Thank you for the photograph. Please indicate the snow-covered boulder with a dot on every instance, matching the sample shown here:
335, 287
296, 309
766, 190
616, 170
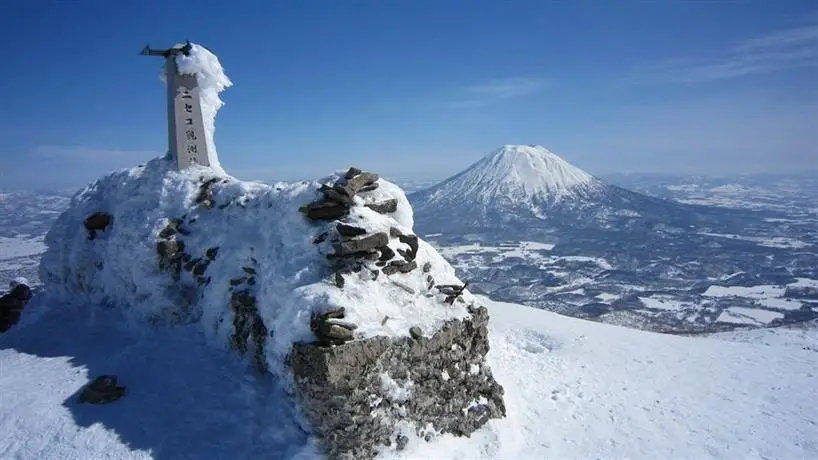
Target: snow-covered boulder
323, 284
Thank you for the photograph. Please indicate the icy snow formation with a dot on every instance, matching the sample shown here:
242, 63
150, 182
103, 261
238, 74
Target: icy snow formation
212, 81
255, 227
519, 172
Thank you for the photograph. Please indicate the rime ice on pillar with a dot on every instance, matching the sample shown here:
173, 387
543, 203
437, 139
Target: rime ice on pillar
187, 140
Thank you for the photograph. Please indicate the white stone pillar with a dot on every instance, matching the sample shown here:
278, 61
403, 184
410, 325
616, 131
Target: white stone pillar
186, 135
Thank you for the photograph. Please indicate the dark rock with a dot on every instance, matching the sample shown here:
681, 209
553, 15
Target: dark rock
324, 211
12, 305
354, 184
102, 390
167, 232
401, 441
251, 281
200, 268
427, 267
412, 242
349, 231
368, 188
205, 195
249, 270
336, 332
384, 207
249, 331
211, 253
340, 389
98, 221
416, 332
339, 280
329, 329
332, 195
399, 266
237, 281
352, 172
394, 232
359, 245
386, 253
320, 238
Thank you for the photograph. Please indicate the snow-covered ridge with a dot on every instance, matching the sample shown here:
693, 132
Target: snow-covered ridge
517, 173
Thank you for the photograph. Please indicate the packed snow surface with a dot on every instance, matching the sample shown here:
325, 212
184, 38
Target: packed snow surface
574, 389
521, 173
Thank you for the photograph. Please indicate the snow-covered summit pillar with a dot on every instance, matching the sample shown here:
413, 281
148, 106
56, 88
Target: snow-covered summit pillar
194, 79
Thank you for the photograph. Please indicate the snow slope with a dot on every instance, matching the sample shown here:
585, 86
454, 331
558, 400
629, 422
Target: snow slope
574, 389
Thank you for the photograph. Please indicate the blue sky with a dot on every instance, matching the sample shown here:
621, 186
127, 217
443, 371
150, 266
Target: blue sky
417, 89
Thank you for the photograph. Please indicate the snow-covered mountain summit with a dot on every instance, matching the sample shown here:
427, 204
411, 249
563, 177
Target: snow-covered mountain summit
531, 186
517, 174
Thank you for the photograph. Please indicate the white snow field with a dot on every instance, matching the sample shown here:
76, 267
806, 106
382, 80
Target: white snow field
574, 390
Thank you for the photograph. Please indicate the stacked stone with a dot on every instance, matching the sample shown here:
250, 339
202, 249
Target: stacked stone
339, 380
449, 387
339, 198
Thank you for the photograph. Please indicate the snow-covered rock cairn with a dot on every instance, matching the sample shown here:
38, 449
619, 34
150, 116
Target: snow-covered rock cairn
357, 394
320, 283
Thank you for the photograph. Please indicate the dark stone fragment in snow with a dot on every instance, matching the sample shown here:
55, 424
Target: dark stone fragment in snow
416, 332
320, 238
353, 185
384, 207
339, 280
200, 268
167, 232
249, 270
427, 267
386, 253
412, 241
394, 232
102, 390
332, 195
12, 305
349, 230
364, 244
211, 253
205, 195
97, 221
325, 211
369, 188
399, 266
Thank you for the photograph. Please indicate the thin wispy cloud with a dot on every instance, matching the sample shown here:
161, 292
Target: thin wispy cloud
93, 154
775, 51
497, 91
